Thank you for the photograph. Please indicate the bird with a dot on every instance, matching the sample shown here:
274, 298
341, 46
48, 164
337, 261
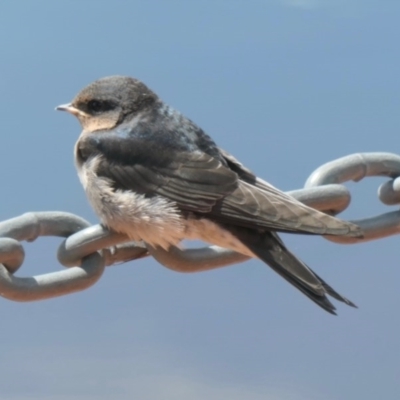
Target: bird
152, 174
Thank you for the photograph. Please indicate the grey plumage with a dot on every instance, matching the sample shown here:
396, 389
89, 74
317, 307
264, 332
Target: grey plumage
153, 174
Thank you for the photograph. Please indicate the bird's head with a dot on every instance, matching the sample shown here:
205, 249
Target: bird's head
107, 102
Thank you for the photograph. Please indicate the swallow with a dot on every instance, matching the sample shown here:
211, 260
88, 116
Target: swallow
151, 173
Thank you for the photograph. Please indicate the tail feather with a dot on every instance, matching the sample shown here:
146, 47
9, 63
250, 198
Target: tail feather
332, 292
270, 249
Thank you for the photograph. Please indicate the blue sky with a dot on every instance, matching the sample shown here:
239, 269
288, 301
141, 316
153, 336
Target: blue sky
283, 85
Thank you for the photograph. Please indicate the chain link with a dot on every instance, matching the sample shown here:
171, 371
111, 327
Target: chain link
87, 249
356, 167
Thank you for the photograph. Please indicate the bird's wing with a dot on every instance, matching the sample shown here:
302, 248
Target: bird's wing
201, 183
270, 208
195, 182
289, 214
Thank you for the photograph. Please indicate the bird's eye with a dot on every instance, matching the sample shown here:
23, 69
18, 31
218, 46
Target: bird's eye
95, 106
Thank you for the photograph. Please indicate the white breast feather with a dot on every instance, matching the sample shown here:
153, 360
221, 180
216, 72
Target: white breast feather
155, 220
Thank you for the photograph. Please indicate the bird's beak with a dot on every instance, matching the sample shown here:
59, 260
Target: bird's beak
69, 108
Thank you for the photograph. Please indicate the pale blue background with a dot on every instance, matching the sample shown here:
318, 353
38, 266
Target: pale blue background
285, 86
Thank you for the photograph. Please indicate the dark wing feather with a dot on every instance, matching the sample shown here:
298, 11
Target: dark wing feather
193, 188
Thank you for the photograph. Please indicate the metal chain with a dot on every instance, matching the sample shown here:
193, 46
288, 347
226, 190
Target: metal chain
87, 249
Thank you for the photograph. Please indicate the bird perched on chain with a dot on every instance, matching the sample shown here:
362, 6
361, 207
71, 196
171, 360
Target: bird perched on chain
151, 173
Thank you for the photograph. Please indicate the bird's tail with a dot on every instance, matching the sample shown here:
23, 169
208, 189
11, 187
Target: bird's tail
269, 248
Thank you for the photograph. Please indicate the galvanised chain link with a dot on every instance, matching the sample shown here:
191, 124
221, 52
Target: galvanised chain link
87, 249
